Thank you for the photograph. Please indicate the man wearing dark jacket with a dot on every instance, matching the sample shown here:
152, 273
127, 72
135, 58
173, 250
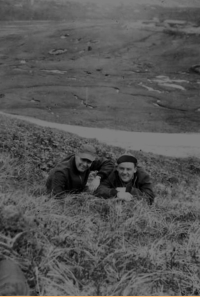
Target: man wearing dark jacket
127, 182
71, 175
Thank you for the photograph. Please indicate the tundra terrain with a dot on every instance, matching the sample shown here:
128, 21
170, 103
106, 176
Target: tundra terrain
117, 64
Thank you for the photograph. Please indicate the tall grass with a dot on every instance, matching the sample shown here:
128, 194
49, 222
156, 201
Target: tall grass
85, 245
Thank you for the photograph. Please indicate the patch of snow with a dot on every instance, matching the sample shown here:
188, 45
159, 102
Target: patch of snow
172, 86
55, 71
148, 88
165, 81
175, 22
57, 51
64, 36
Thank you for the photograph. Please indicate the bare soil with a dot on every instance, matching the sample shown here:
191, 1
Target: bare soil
120, 65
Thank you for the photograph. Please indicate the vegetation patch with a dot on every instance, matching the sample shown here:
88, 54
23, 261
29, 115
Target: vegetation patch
86, 245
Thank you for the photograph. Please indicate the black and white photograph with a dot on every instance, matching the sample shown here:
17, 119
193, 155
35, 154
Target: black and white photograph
99, 147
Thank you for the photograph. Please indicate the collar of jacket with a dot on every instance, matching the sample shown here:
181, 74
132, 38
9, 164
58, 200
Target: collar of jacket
73, 165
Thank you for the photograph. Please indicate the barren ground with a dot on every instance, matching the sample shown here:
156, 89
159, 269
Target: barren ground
120, 65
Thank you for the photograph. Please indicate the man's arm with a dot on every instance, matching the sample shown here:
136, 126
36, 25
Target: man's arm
57, 184
103, 166
144, 190
106, 190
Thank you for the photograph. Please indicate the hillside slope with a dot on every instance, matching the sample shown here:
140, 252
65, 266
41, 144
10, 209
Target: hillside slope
90, 246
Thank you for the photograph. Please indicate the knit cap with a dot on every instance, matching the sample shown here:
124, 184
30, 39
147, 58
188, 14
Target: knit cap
127, 157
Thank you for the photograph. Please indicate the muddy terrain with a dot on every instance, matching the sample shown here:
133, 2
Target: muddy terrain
123, 65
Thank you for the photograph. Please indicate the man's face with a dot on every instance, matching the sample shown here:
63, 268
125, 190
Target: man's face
126, 171
82, 164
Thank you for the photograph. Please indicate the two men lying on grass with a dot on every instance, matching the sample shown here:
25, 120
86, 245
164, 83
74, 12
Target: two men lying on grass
127, 181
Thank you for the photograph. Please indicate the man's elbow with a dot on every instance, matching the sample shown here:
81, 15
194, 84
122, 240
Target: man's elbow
56, 193
150, 196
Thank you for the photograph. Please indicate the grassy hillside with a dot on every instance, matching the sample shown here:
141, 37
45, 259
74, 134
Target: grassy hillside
89, 246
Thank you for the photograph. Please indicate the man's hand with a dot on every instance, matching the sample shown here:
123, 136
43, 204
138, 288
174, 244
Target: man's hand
124, 196
94, 184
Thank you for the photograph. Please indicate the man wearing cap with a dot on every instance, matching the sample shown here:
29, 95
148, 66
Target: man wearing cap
71, 175
127, 182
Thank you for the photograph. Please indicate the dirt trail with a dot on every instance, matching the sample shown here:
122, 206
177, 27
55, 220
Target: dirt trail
173, 145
